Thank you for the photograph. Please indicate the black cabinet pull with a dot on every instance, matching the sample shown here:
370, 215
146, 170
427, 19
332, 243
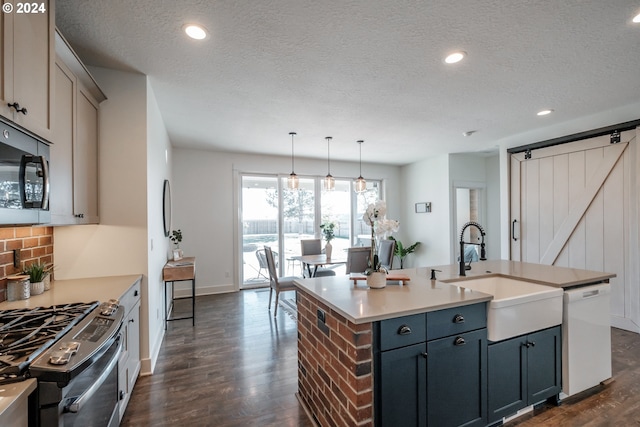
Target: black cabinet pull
513, 230
459, 341
404, 330
458, 318
533, 343
424, 355
17, 107
135, 293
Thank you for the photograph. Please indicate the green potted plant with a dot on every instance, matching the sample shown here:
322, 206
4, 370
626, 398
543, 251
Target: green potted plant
328, 232
176, 238
402, 252
36, 272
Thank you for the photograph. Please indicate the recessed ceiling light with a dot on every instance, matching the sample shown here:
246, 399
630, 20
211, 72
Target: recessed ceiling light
636, 19
455, 57
196, 32
544, 112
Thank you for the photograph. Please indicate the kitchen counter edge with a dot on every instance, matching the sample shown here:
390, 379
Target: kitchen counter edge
78, 290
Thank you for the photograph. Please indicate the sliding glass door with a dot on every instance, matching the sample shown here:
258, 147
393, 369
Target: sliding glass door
275, 216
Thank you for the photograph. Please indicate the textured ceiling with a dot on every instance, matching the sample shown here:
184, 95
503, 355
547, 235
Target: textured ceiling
366, 69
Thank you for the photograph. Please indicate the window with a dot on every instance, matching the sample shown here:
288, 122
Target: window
273, 215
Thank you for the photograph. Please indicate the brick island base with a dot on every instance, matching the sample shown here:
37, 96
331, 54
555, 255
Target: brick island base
335, 364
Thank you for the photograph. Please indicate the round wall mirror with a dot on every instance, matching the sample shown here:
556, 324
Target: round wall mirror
166, 207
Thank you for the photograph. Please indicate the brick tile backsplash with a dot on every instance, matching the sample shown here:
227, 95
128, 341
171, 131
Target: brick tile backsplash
34, 243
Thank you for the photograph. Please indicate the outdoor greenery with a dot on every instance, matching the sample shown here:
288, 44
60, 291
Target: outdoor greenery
402, 252
298, 205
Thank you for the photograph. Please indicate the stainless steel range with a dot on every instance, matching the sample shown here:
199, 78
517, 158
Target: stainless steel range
73, 351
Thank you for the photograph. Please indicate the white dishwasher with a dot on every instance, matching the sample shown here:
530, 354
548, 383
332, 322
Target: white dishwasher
586, 337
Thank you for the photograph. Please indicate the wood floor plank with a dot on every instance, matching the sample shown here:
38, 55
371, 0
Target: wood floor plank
238, 367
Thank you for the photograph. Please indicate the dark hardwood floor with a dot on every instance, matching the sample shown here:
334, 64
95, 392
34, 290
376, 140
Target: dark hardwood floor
238, 367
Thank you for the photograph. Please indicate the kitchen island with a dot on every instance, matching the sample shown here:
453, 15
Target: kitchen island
344, 353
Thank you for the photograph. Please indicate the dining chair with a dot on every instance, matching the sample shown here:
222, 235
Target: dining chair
277, 283
385, 253
314, 247
262, 262
358, 259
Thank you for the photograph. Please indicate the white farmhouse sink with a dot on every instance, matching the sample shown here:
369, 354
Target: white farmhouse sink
518, 307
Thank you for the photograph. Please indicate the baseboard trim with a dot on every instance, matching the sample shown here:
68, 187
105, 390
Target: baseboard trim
624, 323
205, 290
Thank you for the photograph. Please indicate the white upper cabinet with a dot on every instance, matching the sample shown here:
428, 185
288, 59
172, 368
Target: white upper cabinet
74, 153
26, 84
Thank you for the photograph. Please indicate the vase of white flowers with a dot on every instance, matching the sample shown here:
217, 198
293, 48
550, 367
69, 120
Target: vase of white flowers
381, 228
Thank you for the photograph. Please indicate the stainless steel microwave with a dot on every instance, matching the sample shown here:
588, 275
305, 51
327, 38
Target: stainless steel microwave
24, 177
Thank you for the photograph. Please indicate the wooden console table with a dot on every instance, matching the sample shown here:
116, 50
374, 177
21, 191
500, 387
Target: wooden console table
177, 271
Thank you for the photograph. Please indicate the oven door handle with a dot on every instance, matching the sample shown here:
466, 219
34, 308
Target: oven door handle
87, 395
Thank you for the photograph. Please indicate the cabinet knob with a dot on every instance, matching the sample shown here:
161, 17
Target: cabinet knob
459, 341
424, 355
122, 394
131, 320
136, 293
458, 318
404, 330
17, 107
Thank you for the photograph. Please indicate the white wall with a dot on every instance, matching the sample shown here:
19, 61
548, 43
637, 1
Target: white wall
132, 168
426, 181
159, 157
206, 208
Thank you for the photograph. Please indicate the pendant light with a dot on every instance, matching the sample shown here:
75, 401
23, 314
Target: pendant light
360, 184
292, 182
329, 181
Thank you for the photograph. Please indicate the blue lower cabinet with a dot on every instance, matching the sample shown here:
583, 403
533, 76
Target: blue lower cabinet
424, 378
523, 371
402, 386
457, 380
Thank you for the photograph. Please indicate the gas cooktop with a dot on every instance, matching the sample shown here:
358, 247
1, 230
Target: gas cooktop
27, 333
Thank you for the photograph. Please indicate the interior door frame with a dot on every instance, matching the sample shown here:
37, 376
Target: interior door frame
481, 186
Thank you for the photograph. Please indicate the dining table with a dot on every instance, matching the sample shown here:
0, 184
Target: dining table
312, 262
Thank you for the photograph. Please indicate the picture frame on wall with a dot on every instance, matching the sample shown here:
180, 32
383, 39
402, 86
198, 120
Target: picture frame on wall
423, 207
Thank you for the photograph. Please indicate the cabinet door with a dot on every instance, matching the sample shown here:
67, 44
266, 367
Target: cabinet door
402, 387
544, 364
60, 166
457, 380
129, 362
85, 159
507, 380
28, 69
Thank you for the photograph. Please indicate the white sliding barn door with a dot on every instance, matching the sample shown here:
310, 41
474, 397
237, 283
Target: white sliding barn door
576, 205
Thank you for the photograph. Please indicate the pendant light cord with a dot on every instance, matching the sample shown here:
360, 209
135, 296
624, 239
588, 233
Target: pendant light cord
328, 138
292, 135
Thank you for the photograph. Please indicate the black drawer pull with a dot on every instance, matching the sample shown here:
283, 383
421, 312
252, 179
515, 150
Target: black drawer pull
459, 341
404, 330
458, 318
425, 355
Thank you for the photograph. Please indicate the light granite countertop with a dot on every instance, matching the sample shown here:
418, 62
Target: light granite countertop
359, 304
77, 290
